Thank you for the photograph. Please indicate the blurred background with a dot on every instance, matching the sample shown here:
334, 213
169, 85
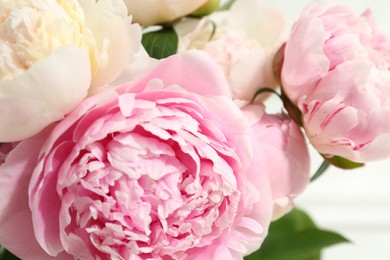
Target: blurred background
354, 203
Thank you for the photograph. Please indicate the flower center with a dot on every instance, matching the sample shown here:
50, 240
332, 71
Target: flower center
29, 33
161, 188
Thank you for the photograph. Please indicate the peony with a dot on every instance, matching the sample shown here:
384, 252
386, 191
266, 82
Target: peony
243, 43
285, 156
52, 52
151, 12
165, 167
336, 70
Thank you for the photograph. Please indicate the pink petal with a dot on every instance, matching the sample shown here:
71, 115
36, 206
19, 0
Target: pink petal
205, 77
304, 48
16, 228
45, 202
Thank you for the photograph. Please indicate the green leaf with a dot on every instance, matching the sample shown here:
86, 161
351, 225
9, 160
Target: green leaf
316, 256
6, 255
227, 5
161, 44
209, 7
343, 163
295, 237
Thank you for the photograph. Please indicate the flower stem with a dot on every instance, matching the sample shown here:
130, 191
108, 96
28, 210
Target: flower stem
265, 90
323, 167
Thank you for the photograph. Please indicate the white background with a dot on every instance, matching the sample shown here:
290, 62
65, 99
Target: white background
355, 203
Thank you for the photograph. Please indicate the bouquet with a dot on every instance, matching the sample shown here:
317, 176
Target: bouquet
139, 129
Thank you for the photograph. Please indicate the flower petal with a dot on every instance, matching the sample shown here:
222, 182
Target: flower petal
16, 229
205, 77
51, 88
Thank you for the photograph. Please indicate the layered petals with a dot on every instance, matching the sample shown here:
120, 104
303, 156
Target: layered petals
336, 71
53, 53
157, 168
16, 229
242, 40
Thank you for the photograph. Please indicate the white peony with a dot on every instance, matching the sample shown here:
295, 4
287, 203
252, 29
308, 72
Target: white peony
242, 41
151, 12
52, 53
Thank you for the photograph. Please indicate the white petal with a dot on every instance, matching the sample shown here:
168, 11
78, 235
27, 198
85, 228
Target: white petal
44, 93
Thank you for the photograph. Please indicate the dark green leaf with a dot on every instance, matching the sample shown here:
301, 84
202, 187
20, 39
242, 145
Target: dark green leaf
316, 256
160, 44
227, 5
301, 245
6, 255
258, 256
343, 163
295, 221
295, 237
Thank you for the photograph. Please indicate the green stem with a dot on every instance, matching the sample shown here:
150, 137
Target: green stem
227, 5
265, 90
323, 167
6, 255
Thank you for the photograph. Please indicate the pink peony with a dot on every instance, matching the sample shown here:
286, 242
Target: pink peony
285, 156
336, 70
167, 167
